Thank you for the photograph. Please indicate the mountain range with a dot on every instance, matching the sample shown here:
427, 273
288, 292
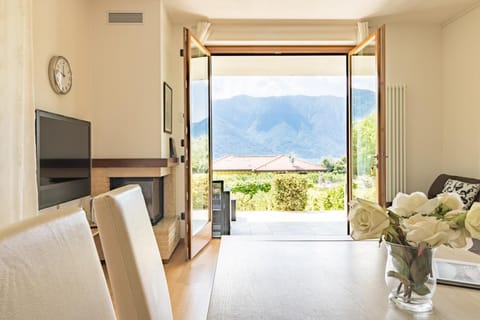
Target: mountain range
308, 127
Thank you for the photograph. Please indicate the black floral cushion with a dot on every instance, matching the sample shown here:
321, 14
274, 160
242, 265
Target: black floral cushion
467, 191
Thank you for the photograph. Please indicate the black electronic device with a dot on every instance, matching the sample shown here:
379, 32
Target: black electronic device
63, 158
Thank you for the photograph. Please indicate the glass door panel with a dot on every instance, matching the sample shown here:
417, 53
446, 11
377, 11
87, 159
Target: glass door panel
367, 120
198, 176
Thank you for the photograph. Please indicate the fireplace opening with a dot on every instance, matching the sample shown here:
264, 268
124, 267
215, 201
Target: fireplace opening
152, 189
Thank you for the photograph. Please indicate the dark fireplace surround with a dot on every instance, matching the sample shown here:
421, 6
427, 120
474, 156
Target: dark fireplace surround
152, 189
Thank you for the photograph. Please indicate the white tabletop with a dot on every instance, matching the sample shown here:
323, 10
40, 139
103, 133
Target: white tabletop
300, 279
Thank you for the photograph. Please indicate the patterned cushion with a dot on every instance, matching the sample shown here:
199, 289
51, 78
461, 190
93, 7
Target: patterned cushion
467, 191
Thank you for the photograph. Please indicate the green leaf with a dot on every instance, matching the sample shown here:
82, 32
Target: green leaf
400, 265
402, 278
420, 269
404, 253
421, 289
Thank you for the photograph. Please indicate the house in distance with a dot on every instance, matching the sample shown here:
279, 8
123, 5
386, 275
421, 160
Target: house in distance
257, 164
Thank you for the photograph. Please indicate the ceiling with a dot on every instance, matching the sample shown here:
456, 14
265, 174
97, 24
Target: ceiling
433, 11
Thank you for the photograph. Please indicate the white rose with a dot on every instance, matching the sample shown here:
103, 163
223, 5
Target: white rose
472, 221
456, 218
426, 229
457, 234
405, 205
368, 219
457, 238
451, 200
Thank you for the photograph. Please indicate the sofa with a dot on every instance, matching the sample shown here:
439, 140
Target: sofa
439, 182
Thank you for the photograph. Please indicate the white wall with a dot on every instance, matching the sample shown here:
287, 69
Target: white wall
172, 73
460, 96
127, 87
413, 58
176, 76
60, 27
118, 75
130, 65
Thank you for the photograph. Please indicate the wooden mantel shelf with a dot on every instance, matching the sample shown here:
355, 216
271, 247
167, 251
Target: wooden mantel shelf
135, 163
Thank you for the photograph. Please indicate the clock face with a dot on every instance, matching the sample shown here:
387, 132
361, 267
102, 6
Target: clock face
60, 75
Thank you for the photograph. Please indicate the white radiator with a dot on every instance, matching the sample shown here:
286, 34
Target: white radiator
396, 140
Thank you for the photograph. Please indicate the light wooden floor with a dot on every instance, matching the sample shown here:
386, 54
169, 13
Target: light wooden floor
190, 282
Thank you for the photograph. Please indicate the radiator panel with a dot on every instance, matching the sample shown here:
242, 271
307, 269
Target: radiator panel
396, 140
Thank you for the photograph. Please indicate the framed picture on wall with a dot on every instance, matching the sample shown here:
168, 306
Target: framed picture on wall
167, 108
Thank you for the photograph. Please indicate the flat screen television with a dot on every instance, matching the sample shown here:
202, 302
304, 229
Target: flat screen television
63, 158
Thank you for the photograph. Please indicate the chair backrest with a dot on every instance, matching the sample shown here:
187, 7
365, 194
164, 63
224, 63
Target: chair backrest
49, 269
134, 265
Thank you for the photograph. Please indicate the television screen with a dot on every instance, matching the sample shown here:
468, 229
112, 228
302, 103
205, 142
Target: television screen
63, 158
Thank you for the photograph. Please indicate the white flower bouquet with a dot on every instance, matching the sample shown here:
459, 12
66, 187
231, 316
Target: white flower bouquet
412, 227
414, 220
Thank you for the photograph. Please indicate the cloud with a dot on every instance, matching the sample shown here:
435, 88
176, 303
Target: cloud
225, 87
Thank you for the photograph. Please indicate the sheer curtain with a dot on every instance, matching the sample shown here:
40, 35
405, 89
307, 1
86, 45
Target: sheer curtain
18, 191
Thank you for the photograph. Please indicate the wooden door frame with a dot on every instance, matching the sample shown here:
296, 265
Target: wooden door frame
379, 35
278, 50
302, 50
205, 234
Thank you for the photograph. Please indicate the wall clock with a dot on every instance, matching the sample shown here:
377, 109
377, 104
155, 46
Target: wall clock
60, 74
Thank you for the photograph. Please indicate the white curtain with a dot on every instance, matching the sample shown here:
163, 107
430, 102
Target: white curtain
362, 31
18, 191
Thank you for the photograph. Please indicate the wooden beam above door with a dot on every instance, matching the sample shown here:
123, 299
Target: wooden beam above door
269, 50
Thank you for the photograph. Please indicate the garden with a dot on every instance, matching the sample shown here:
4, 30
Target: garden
288, 191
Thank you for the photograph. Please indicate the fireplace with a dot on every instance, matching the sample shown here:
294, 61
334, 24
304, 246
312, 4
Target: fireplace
152, 189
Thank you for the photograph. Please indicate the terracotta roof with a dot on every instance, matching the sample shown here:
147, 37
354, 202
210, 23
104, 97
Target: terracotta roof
279, 163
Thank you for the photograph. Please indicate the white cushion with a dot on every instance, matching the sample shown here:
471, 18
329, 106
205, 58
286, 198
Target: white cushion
133, 259
49, 269
467, 191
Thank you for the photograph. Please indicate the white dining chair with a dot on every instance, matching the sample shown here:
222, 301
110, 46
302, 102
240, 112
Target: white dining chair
49, 269
134, 264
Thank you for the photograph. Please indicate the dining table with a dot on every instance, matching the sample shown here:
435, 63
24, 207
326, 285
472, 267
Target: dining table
275, 278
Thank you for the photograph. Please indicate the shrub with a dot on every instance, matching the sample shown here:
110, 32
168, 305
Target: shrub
312, 179
290, 192
326, 198
259, 202
199, 191
251, 189
335, 199
316, 198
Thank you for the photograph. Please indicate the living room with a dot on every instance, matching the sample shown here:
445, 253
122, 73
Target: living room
119, 71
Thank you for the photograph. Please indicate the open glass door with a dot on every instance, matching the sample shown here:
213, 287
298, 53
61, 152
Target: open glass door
366, 119
198, 176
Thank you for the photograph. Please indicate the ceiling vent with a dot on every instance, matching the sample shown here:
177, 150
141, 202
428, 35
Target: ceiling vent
125, 17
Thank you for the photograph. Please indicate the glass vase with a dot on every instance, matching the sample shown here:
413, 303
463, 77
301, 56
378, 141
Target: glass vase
411, 276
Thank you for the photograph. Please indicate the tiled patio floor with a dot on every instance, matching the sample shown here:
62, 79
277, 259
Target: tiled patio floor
319, 223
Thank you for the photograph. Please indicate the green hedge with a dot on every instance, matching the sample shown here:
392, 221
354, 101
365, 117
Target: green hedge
199, 191
326, 198
290, 192
261, 201
251, 189
335, 199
